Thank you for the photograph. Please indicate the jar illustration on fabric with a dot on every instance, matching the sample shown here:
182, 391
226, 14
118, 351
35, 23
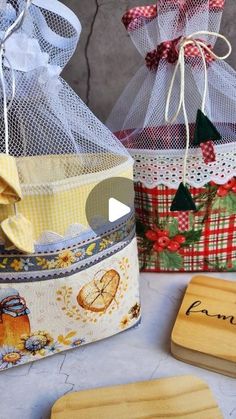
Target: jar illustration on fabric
14, 320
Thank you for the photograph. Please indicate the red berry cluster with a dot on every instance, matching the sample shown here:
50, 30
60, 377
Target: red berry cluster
162, 240
223, 190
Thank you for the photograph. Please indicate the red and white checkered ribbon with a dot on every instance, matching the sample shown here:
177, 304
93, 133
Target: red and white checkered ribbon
183, 221
169, 51
137, 16
208, 151
133, 17
216, 4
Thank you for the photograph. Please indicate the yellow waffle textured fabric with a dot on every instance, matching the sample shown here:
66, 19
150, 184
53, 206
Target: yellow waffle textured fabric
10, 190
56, 206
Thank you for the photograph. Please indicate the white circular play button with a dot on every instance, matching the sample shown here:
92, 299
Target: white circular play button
117, 210
109, 202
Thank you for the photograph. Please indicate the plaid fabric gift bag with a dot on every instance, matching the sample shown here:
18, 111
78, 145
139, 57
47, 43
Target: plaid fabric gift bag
62, 284
177, 119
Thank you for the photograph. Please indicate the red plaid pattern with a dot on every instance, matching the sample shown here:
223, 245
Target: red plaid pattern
208, 151
183, 220
169, 50
215, 249
137, 16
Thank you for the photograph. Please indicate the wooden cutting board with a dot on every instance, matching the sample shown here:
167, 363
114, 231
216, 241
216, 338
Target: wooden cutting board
182, 397
205, 330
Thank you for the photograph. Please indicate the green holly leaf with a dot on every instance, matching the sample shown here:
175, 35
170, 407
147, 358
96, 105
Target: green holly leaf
173, 228
160, 224
192, 237
171, 260
218, 205
231, 202
200, 207
227, 203
233, 269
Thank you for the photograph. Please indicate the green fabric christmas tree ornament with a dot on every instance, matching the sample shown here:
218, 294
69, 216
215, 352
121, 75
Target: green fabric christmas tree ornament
183, 200
204, 129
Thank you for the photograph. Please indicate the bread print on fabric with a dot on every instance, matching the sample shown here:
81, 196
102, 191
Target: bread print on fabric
98, 294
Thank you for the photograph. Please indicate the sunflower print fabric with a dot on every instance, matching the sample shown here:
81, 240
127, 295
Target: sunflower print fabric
42, 318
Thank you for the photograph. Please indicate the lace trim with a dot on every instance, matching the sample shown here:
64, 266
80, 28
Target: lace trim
153, 169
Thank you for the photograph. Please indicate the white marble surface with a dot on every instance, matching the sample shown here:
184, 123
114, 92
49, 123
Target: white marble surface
28, 392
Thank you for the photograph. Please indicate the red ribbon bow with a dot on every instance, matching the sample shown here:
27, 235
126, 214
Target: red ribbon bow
168, 50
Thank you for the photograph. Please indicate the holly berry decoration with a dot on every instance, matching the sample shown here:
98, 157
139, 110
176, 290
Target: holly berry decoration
223, 190
151, 235
204, 136
162, 241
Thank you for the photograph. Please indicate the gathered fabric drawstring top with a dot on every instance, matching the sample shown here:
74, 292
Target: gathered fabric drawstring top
203, 49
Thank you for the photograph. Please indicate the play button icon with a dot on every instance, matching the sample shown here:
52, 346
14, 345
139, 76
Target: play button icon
109, 202
117, 210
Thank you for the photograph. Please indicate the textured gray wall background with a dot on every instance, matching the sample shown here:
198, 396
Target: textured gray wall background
106, 59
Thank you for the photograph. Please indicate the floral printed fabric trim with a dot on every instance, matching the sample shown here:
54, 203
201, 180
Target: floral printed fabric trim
209, 244
66, 258
36, 345
40, 344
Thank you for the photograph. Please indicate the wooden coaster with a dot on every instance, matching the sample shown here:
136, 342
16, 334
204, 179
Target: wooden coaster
182, 397
205, 330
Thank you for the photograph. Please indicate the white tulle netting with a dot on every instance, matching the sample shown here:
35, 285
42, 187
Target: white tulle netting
58, 150
138, 118
47, 118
